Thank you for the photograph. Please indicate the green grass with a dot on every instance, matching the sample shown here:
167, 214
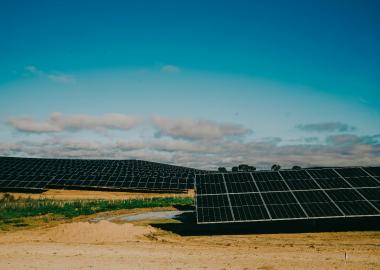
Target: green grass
14, 211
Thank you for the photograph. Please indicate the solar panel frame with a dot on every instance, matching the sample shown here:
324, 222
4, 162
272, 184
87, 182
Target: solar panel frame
372, 176
235, 185
294, 195
261, 195
355, 189
271, 186
251, 204
373, 171
335, 210
93, 174
316, 203
324, 191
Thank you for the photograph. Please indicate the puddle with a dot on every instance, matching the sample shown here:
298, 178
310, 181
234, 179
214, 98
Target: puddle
143, 216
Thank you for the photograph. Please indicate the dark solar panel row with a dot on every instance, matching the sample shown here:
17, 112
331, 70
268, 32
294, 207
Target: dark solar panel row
31, 173
286, 195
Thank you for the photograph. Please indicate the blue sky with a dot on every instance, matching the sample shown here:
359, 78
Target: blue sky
198, 83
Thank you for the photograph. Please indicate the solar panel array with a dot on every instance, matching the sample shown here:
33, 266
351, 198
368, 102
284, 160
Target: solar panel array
288, 195
39, 174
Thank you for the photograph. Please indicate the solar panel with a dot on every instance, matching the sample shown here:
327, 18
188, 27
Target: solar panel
269, 181
372, 195
288, 195
213, 208
357, 177
40, 174
211, 184
249, 206
317, 204
283, 205
242, 182
272, 186
327, 178
373, 171
352, 202
298, 180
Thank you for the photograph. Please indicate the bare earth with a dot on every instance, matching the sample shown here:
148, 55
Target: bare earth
106, 245
136, 245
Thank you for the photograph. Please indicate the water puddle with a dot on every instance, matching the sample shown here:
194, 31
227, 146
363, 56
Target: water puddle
143, 216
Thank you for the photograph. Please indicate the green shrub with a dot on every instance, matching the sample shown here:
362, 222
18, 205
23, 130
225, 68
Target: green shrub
11, 208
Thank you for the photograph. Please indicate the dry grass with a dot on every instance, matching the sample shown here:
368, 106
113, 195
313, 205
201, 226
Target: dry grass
17, 212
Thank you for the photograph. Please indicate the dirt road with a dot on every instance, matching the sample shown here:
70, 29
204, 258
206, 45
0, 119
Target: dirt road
106, 245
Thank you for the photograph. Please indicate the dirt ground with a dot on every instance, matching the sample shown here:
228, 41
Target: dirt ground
144, 245
106, 245
59, 194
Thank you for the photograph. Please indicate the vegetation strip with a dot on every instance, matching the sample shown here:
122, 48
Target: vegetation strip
13, 210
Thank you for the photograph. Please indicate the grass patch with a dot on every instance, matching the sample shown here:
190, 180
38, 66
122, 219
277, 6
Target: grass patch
14, 211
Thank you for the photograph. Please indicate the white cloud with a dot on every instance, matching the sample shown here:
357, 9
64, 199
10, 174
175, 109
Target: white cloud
202, 154
351, 139
75, 144
170, 69
57, 77
182, 128
31, 69
186, 142
107, 121
7, 147
62, 78
326, 127
59, 122
28, 124
181, 146
130, 145
190, 129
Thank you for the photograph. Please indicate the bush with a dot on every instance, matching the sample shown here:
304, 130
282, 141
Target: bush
17, 208
7, 198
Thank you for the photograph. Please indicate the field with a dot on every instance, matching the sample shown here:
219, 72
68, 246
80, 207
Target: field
64, 239
26, 212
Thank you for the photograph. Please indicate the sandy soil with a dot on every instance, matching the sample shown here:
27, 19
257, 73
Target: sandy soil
105, 245
59, 194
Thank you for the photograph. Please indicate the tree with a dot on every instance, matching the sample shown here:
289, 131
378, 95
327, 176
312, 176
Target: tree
275, 167
243, 167
222, 169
